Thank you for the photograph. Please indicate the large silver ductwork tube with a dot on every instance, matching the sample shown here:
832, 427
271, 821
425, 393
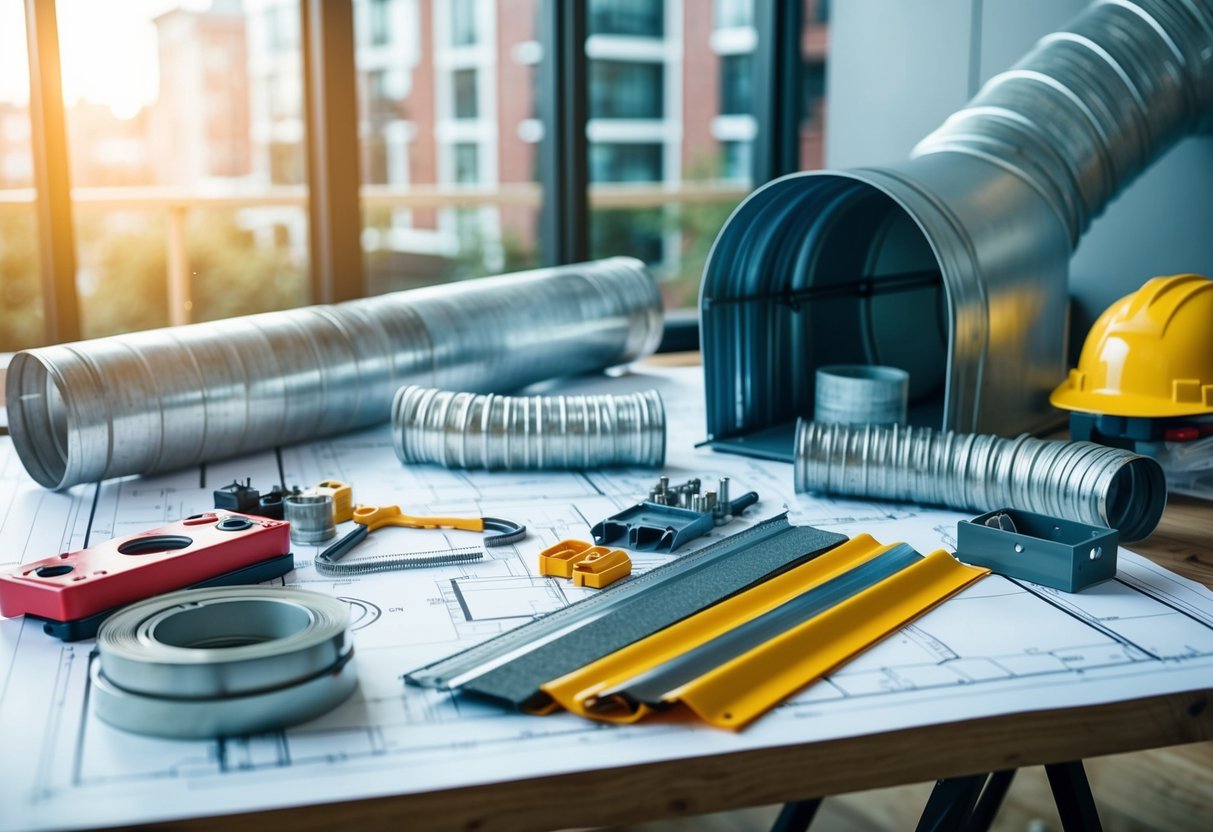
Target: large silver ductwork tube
169, 398
953, 264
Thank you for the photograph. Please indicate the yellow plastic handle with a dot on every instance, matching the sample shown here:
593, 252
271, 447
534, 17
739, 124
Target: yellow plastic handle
376, 517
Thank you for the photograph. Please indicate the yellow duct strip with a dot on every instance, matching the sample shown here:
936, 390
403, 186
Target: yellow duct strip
734, 693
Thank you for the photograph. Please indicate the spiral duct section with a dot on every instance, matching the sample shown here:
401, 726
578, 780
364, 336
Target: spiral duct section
166, 399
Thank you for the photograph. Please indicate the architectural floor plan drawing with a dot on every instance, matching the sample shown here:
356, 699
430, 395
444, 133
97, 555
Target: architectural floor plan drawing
999, 646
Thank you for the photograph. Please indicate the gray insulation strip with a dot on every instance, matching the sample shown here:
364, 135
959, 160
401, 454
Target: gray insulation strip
681, 592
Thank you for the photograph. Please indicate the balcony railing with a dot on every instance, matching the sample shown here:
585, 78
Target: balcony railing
176, 204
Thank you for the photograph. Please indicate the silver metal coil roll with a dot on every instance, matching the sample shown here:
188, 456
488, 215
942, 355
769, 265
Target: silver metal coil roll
223, 661
464, 430
1080, 481
165, 399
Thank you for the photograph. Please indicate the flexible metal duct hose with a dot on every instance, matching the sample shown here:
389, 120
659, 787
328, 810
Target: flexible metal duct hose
953, 264
462, 430
1081, 481
170, 398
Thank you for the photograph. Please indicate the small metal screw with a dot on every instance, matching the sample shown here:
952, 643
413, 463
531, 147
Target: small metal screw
1018, 547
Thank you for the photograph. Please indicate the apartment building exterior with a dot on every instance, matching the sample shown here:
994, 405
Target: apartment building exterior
447, 99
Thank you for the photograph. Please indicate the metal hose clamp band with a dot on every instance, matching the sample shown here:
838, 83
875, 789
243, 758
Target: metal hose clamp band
1079, 481
223, 661
861, 394
464, 430
155, 401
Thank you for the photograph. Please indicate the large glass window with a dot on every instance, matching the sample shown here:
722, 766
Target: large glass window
619, 162
736, 86
379, 22
623, 89
814, 45
195, 112
463, 83
733, 13
463, 22
467, 163
642, 18
20, 286
174, 108
452, 190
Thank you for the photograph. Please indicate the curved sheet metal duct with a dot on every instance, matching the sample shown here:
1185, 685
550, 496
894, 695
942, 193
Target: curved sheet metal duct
953, 264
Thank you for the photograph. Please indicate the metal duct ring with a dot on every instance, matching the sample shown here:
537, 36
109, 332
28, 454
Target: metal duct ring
223, 661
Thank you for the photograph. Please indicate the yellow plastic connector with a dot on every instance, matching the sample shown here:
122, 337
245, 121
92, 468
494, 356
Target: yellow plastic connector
602, 567
343, 498
558, 561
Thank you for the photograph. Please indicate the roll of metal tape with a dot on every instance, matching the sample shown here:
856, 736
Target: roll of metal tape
223, 661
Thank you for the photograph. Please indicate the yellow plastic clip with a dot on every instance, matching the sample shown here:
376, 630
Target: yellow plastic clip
558, 561
377, 517
601, 567
343, 498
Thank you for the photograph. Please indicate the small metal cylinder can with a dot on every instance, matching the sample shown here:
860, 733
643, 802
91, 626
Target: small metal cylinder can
311, 517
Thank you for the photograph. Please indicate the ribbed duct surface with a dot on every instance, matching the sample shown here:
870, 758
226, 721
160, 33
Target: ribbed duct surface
165, 399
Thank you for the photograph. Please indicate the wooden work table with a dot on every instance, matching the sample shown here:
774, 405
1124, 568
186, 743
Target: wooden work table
698, 785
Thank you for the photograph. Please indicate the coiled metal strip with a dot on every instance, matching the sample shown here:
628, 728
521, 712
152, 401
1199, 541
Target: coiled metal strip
390, 563
464, 430
223, 661
1080, 481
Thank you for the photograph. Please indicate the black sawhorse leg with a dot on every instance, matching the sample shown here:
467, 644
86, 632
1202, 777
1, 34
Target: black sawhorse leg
969, 804
1072, 794
796, 817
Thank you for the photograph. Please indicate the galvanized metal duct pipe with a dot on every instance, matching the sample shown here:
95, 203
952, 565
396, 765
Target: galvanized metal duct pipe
170, 398
1082, 481
953, 264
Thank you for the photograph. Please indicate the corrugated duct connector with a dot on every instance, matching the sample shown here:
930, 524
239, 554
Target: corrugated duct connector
1082, 481
953, 264
170, 398
511, 433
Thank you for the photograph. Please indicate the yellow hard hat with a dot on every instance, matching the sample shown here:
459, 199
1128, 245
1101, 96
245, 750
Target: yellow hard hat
1148, 355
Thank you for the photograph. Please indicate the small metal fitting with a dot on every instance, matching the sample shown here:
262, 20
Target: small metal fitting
311, 518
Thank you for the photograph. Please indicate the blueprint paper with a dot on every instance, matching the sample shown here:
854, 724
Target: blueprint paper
998, 647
